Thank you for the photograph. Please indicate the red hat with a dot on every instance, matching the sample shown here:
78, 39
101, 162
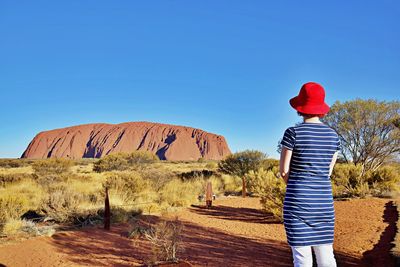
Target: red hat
311, 100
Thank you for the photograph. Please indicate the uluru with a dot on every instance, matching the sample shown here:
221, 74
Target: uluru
96, 140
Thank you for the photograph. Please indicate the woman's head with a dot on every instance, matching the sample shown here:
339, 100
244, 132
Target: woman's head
310, 101
308, 116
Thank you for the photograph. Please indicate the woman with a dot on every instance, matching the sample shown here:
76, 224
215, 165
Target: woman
309, 152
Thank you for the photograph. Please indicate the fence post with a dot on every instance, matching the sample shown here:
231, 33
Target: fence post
107, 215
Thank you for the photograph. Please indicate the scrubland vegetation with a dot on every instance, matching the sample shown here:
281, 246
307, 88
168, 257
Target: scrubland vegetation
72, 192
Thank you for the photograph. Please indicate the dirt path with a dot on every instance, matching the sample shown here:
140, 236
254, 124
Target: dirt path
234, 233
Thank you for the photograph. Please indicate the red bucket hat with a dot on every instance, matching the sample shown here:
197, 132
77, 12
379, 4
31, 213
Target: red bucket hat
311, 100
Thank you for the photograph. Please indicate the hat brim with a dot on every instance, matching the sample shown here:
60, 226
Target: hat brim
319, 109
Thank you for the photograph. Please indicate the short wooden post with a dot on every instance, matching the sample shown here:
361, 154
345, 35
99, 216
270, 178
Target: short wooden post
209, 195
107, 214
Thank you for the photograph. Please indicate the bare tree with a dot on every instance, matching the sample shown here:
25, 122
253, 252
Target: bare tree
368, 131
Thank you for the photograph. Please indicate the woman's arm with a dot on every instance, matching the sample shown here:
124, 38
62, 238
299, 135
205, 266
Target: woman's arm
334, 158
284, 163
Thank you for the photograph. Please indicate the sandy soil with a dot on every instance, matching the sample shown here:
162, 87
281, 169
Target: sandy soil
233, 233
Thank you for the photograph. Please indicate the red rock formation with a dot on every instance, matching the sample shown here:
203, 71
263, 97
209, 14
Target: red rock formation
96, 140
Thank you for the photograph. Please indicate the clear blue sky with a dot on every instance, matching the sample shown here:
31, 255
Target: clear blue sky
228, 67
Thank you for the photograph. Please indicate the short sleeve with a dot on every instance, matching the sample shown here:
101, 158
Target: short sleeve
338, 144
289, 138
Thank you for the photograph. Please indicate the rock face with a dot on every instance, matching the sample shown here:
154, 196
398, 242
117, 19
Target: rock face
168, 142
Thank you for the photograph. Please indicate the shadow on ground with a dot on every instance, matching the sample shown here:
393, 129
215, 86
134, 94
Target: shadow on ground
235, 214
203, 247
380, 253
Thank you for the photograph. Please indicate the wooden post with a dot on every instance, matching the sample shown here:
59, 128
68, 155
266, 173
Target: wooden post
243, 187
107, 214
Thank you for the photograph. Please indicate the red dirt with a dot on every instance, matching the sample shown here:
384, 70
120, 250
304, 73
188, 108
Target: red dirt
233, 233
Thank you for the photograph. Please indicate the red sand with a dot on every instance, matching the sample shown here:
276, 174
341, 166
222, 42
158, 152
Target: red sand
233, 233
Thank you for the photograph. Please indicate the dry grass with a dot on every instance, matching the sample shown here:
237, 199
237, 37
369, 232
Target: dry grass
153, 188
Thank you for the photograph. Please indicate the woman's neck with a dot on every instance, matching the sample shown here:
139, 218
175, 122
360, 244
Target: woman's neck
312, 120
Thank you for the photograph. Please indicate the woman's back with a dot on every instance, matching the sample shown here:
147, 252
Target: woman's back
313, 146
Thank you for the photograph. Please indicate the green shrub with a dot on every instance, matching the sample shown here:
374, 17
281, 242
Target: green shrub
54, 166
123, 161
141, 157
112, 162
270, 189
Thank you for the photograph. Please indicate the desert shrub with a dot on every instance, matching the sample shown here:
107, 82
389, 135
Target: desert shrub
270, 189
125, 185
212, 165
361, 190
14, 227
270, 164
53, 166
123, 161
347, 180
157, 177
141, 157
15, 163
231, 184
384, 180
112, 162
121, 215
12, 206
240, 163
195, 174
60, 203
34, 229
49, 179
166, 241
9, 178
11, 227
177, 193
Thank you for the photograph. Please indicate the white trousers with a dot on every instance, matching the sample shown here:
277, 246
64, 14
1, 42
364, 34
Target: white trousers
302, 256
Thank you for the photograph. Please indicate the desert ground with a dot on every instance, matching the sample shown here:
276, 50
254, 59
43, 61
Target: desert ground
234, 232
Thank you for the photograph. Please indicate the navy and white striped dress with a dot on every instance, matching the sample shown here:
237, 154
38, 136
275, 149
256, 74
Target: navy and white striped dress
308, 210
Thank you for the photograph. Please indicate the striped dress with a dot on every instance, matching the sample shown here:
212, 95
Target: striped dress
308, 210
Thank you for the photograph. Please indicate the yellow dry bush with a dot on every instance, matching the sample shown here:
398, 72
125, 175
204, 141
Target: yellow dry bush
12, 227
61, 202
270, 189
385, 180
10, 178
12, 206
231, 184
52, 166
126, 186
177, 193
